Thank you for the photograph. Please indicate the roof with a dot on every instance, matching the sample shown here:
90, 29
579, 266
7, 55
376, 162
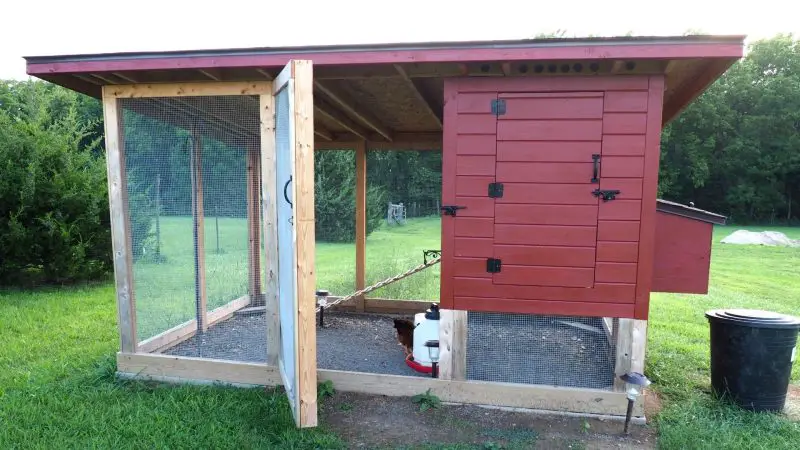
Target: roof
691, 212
382, 91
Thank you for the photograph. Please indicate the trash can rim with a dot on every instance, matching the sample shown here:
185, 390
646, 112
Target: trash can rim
755, 318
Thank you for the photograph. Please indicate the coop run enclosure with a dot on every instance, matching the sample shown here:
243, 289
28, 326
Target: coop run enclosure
510, 185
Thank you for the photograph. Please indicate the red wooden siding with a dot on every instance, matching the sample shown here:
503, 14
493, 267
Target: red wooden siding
563, 250
682, 254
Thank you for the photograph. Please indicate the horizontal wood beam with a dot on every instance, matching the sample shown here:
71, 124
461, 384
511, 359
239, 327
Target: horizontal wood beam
182, 369
347, 104
422, 96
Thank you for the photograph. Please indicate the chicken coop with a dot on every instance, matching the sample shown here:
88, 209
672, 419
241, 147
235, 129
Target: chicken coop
548, 236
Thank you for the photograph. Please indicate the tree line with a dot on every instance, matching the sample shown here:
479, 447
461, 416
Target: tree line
735, 151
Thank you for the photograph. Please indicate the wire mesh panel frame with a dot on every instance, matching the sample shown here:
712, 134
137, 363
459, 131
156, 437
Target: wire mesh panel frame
118, 196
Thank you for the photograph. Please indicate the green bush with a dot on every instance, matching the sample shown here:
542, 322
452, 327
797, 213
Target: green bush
335, 198
54, 222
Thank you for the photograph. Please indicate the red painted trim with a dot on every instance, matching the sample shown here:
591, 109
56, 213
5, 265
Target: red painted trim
504, 305
644, 276
552, 52
449, 147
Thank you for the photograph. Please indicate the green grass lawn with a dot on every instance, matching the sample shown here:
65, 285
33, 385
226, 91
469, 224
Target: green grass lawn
56, 354
165, 287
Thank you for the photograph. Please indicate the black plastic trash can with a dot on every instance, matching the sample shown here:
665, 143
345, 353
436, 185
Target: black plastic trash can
752, 352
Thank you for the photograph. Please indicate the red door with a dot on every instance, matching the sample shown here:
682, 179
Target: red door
545, 222
549, 244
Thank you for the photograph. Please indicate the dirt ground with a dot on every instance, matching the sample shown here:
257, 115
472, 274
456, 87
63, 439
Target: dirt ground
380, 422
793, 402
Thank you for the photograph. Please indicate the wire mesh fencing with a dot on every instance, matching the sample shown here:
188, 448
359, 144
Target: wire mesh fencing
193, 184
539, 349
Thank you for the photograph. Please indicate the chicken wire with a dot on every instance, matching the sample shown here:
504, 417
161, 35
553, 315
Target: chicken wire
192, 176
539, 349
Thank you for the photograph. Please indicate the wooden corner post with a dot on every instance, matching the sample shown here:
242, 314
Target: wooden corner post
120, 226
198, 223
631, 349
254, 224
361, 221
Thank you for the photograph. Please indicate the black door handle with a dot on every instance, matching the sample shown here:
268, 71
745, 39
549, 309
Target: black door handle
595, 170
285, 194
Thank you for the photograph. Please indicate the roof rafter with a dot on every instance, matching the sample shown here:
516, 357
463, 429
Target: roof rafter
422, 96
350, 106
325, 109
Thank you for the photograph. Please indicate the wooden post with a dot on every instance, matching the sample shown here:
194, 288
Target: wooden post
120, 226
631, 348
254, 224
453, 345
196, 164
361, 221
270, 227
158, 216
305, 241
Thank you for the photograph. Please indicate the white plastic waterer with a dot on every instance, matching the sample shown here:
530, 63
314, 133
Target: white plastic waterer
426, 329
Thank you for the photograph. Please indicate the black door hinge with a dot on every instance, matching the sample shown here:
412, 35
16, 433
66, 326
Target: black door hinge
606, 194
450, 210
493, 265
496, 190
498, 106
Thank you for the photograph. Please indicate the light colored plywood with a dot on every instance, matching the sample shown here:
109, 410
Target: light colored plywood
254, 223
189, 89
361, 221
269, 226
624, 352
453, 345
638, 345
305, 240
120, 228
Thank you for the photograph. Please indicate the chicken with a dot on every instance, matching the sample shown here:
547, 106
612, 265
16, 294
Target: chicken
405, 334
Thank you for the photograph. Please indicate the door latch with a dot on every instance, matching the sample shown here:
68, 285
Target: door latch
606, 194
493, 265
450, 210
595, 168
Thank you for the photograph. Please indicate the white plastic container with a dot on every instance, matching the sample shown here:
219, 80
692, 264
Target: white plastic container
426, 329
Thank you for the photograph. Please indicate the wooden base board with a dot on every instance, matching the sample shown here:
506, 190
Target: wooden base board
186, 330
549, 398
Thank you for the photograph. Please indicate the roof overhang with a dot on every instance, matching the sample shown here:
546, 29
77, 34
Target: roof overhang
690, 64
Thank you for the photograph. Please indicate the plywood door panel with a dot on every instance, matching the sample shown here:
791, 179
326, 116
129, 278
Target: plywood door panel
474, 227
473, 207
473, 186
475, 165
508, 172
550, 130
545, 255
629, 188
532, 214
620, 210
623, 145
554, 108
622, 167
476, 124
583, 236
472, 248
615, 230
626, 101
476, 144
471, 267
546, 151
617, 251
612, 272
545, 276
624, 123
548, 194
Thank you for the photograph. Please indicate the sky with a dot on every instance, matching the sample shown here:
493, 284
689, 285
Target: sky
57, 27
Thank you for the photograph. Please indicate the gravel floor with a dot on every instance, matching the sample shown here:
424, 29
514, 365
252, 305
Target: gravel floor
500, 347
